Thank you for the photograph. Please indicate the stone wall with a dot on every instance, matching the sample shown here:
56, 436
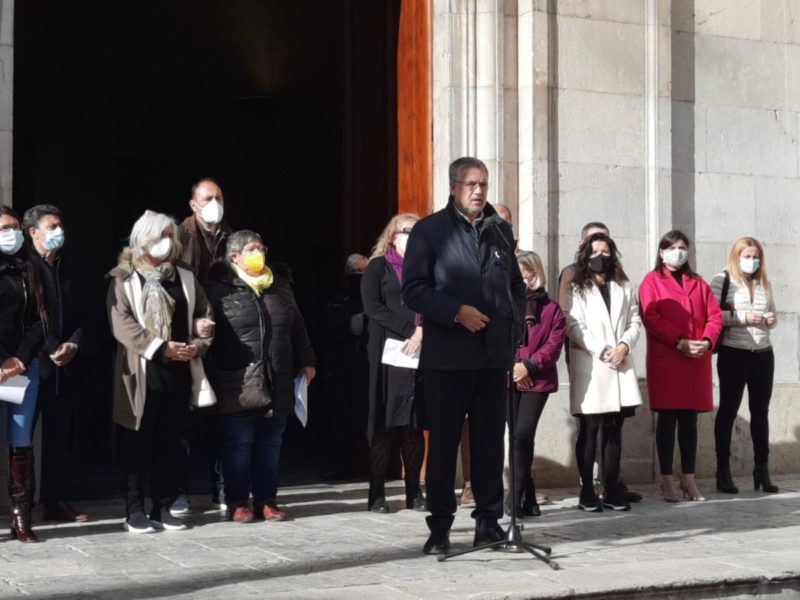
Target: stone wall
647, 115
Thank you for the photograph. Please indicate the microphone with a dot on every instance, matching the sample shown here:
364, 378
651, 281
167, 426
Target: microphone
494, 223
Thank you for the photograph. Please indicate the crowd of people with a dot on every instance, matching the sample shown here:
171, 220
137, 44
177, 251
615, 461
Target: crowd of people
447, 316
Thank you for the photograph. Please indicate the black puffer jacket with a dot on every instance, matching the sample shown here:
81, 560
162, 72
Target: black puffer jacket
290, 349
21, 330
238, 362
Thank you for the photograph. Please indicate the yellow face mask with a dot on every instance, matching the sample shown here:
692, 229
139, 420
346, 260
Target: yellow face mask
254, 262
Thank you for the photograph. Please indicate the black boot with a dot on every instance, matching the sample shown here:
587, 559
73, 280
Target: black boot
761, 479
21, 481
725, 482
377, 496
530, 508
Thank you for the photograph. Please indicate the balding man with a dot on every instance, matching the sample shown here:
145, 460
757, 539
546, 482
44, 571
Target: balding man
204, 234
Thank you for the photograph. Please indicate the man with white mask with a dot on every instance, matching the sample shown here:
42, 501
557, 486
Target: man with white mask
203, 234
57, 400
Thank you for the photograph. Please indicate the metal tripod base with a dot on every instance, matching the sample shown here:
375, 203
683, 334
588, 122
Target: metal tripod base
512, 543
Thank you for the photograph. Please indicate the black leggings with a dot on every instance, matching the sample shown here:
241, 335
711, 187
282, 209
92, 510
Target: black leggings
611, 449
528, 407
384, 449
736, 369
686, 421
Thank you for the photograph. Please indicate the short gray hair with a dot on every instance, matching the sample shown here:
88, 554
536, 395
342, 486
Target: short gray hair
466, 162
148, 229
239, 239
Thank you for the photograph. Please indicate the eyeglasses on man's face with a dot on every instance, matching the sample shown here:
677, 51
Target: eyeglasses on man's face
484, 185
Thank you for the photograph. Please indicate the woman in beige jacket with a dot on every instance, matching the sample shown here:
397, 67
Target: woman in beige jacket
157, 311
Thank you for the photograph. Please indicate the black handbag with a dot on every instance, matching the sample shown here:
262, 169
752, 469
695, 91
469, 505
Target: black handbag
723, 305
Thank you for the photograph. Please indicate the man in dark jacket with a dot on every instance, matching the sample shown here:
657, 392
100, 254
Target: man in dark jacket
56, 402
454, 275
203, 236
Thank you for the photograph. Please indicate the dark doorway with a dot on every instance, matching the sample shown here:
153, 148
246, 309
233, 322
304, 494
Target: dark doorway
119, 106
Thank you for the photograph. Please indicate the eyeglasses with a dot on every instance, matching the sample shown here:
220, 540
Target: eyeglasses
475, 184
404, 230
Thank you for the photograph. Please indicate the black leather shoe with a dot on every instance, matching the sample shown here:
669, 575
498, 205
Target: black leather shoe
417, 503
437, 544
486, 532
379, 505
531, 510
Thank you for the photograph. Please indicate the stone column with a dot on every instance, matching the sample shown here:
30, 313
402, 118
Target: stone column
474, 98
6, 98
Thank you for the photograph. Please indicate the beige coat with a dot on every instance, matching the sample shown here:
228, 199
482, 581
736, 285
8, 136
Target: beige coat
136, 346
594, 386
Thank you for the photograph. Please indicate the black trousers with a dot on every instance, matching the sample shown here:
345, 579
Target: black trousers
608, 427
56, 406
449, 397
686, 422
528, 407
150, 456
737, 369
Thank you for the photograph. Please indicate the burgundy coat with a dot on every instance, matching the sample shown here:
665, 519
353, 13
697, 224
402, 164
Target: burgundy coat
671, 312
545, 339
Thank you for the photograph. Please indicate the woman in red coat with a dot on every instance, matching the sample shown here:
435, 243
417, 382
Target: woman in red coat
683, 321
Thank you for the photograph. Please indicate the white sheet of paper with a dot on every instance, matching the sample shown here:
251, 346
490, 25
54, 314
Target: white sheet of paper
393, 355
13, 390
301, 398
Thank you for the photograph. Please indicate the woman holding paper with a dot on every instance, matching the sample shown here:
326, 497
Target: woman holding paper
260, 336
603, 326
22, 323
393, 349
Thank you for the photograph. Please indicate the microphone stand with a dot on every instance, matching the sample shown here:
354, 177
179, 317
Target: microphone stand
513, 541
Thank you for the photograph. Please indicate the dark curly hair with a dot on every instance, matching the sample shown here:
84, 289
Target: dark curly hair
583, 274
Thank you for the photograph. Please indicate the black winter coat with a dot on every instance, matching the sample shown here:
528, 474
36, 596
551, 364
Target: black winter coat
391, 389
21, 329
444, 269
290, 349
237, 364
64, 310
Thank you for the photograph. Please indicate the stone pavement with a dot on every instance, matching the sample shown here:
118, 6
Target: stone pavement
730, 546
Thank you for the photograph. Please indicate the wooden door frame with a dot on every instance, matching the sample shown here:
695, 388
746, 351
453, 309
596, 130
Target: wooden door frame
414, 122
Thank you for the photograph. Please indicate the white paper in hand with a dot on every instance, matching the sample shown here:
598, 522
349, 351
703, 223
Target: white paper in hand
13, 390
393, 355
301, 398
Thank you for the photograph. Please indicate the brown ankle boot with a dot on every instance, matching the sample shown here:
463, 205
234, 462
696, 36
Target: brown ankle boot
20, 491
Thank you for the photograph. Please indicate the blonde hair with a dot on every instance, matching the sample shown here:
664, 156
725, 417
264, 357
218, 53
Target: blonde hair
385, 238
736, 273
533, 263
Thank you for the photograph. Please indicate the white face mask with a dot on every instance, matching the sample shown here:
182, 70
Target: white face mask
212, 212
749, 266
400, 243
675, 257
53, 239
10, 241
160, 249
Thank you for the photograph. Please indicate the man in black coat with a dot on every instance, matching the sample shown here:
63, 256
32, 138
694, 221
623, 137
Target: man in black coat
57, 401
454, 275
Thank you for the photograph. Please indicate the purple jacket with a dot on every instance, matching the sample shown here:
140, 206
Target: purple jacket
545, 338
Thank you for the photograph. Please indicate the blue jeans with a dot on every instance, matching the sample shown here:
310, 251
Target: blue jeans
20, 418
250, 457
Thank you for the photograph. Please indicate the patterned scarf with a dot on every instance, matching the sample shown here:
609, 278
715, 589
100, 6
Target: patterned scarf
259, 283
393, 258
157, 305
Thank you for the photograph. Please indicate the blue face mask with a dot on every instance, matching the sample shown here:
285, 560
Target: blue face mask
10, 241
53, 239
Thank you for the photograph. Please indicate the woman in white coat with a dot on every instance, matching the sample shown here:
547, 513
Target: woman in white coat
603, 325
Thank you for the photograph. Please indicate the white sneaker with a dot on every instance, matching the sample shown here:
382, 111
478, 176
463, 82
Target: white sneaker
181, 506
